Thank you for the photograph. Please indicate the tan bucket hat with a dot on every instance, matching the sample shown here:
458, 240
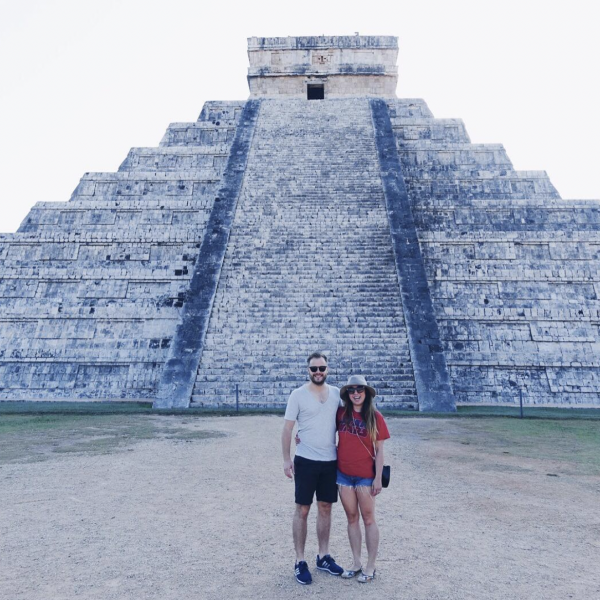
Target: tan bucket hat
354, 380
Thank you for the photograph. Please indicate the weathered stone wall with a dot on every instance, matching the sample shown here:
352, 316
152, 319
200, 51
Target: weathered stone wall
513, 269
335, 86
91, 289
355, 66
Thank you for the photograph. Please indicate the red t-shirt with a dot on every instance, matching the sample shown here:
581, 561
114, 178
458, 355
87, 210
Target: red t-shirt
355, 456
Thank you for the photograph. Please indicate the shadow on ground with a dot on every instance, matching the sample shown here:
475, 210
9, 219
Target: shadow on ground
27, 437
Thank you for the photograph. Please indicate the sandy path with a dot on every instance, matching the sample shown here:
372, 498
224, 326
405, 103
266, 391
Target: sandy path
170, 519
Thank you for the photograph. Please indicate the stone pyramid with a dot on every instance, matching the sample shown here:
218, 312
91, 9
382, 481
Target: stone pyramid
323, 213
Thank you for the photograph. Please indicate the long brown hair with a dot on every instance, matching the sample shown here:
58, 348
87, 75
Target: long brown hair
367, 412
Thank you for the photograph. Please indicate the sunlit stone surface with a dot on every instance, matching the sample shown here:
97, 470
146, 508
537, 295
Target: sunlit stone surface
356, 224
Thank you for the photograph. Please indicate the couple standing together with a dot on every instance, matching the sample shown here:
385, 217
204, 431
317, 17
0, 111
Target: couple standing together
318, 467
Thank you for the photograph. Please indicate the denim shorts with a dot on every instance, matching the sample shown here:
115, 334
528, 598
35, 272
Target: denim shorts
352, 481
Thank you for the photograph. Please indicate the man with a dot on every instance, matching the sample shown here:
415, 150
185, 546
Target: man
314, 468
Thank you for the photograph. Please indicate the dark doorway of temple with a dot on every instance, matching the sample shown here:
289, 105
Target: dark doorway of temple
315, 92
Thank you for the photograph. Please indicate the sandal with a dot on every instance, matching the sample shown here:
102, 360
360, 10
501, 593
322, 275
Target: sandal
364, 578
351, 574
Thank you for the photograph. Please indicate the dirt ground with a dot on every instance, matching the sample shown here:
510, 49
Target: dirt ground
138, 506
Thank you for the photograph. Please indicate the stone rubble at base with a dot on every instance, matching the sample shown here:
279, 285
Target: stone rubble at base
92, 290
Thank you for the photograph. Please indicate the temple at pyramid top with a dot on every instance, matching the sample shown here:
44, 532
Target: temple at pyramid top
319, 67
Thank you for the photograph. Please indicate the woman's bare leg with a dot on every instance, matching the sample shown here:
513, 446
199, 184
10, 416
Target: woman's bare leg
350, 504
366, 502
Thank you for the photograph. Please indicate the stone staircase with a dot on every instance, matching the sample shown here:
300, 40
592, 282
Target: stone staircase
309, 264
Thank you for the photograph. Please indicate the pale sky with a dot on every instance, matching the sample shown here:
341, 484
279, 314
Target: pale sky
82, 81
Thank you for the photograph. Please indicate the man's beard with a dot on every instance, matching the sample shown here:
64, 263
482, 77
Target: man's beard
318, 382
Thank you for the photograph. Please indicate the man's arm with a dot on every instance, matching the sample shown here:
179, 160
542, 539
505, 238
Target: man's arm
286, 441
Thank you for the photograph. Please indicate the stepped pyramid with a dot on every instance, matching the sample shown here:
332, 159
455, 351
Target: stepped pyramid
323, 213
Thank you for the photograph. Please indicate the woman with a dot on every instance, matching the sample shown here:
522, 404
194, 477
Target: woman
362, 431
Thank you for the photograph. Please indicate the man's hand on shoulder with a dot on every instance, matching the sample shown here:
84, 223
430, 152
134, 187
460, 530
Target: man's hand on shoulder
288, 468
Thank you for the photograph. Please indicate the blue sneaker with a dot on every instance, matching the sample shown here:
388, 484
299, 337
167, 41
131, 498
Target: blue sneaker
328, 564
303, 575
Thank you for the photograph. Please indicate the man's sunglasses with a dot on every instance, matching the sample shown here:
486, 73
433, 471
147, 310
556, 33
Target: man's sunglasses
315, 369
356, 390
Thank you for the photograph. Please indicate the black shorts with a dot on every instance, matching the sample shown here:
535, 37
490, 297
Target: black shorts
312, 476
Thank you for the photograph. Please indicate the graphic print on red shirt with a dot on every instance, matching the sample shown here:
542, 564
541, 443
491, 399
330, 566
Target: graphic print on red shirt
355, 449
